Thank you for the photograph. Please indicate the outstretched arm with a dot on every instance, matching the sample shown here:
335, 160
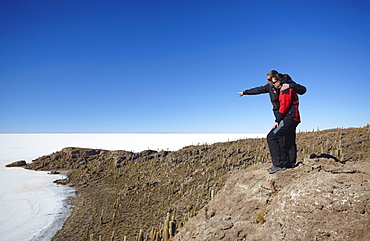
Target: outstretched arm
255, 91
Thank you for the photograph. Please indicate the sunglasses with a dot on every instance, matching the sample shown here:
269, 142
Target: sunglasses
272, 81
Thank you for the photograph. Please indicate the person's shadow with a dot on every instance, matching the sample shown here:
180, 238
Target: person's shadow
312, 156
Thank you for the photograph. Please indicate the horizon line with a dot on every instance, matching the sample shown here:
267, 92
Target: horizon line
132, 133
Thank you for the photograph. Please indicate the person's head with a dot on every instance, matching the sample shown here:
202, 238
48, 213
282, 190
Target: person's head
278, 80
271, 74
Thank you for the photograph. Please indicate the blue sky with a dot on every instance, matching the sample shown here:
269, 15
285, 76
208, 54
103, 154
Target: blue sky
176, 65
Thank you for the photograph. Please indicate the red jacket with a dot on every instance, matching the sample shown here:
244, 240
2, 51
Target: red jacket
288, 109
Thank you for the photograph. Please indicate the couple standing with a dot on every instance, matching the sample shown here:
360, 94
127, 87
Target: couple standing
281, 139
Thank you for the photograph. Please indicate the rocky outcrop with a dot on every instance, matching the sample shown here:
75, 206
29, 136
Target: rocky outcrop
122, 194
322, 199
67, 158
61, 181
17, 164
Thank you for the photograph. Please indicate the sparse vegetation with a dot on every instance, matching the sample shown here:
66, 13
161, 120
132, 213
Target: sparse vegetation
125, 195
261, 214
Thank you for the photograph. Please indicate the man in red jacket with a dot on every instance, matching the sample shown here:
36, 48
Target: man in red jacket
286, 121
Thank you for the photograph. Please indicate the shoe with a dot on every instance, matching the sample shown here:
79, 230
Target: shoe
274, 169
292, 166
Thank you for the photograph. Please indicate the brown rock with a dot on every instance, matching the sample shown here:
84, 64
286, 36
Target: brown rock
54, 172
61, 181
17, 164
304, 203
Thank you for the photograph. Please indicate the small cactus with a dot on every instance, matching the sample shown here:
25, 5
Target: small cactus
166, 227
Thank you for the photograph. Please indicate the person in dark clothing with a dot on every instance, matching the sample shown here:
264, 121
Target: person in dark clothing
269, 88
286, 121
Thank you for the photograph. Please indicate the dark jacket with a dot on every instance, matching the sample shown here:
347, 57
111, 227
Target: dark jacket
271, 90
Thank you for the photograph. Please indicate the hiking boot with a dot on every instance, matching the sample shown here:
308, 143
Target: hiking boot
274, 169
291, 166
271, 169
294, 165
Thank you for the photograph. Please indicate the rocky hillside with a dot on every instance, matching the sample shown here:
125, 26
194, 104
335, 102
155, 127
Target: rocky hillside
157, 195
321, 199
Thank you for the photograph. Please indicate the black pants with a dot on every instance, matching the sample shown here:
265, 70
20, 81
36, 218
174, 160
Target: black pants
281, 141
291, 136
